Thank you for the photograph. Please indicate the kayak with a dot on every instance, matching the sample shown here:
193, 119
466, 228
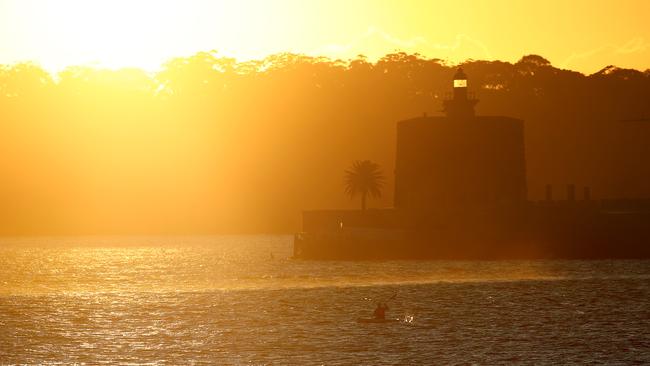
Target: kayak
376, 320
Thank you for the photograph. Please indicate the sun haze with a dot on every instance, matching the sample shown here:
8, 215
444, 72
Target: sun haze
579, 35
221, 116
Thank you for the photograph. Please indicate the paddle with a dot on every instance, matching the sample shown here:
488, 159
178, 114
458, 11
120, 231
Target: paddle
383, 301
379, 319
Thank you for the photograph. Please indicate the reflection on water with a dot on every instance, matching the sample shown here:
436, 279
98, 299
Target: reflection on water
240, 300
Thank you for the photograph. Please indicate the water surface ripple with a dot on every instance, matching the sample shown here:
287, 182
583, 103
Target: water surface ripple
239, 300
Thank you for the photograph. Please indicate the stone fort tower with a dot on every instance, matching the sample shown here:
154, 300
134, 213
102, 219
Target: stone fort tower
461, 160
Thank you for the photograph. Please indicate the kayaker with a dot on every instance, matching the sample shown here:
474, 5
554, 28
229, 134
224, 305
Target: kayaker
380, 311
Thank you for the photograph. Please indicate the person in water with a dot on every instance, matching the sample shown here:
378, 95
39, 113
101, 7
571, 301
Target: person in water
380, 311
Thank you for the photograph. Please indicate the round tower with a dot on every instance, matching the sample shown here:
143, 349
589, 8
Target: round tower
461, 160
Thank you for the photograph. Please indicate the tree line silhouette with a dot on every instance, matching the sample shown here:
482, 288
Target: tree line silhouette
209, 144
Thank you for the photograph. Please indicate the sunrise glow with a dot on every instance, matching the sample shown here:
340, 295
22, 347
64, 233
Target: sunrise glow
147, 33
324, 182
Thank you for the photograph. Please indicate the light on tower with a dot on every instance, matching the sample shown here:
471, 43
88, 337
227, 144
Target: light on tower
460, 79
462, 104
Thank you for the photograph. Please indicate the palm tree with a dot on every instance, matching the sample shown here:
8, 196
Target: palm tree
364, 177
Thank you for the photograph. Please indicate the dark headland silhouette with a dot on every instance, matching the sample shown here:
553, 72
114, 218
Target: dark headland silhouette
210, 145
461, 193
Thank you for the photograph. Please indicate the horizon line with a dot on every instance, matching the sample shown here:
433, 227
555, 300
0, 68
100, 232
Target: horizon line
99, 65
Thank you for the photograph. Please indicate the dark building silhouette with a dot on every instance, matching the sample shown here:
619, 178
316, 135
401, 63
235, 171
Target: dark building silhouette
460, 193
459, 159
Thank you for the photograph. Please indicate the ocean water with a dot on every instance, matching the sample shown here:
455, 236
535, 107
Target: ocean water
240, 300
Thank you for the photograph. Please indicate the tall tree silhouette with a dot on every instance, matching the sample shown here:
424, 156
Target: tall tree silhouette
363, 178
87, 131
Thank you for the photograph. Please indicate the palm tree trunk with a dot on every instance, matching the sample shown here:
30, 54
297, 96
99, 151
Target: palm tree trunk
363, 200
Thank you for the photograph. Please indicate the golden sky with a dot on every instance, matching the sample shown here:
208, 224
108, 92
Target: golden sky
583, 35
